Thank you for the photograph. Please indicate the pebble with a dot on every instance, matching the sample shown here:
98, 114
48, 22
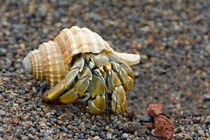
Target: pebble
201, 132
107, 127
2, 113
155, 109
164, 127
3, 52
109, 136
148, 124
96, 138
192, 129
2, 131
125, 135
146, 118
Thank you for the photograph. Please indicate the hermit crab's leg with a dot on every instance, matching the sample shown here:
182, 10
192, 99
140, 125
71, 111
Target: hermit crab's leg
126, 80
79, 88
64, 85
97, 91
118, 102
122, 64
123, 71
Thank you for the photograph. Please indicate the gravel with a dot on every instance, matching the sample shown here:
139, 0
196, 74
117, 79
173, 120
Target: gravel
171, 36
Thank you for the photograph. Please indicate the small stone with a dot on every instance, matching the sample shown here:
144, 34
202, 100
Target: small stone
31, 136
145, 118
150, 40
69, 135
207, 121
206, 97
207, 84
107, 127
2, 113
201, 132
3, 52
148, 124
164, 127
60, 122
24, 138
129, 127
125, 135
109, 136
14, 121
192, 129
20, 51
144, 57
2, 131
34, 90
98, 117
188, 93
131, 116
96, 138
155, 109
1, 37
179, 136
136, 46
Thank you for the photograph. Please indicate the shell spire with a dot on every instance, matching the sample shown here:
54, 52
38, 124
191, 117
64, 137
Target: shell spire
51, 60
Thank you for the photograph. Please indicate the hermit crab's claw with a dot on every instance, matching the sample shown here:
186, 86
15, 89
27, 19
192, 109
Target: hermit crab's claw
122, 64
59, 88
98, 105
125, 76
64, 85
97, 91
79, 88
123, 71
119, 102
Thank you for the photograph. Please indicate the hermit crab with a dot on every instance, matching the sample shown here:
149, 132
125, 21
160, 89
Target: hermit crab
79, 65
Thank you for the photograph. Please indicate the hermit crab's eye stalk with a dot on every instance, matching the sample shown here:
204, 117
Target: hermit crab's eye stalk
27, 64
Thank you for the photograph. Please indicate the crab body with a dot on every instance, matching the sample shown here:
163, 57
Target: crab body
80, 65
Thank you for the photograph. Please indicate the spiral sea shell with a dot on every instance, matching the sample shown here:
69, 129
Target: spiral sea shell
50, 61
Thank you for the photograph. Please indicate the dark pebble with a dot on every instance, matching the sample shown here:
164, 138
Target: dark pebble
146, 118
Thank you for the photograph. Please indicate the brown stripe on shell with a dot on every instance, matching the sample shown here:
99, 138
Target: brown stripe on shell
36, 62
53, 62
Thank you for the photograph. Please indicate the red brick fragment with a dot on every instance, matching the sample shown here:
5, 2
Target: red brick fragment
20, 51
1, 37
188, 93
136, 46
164, 127
150, 40
14, 121
148, 125
102, 12
155, 109
174, 99
207, 84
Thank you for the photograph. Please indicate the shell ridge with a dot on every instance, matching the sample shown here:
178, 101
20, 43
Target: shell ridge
72, 39
93, 40
53, 62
